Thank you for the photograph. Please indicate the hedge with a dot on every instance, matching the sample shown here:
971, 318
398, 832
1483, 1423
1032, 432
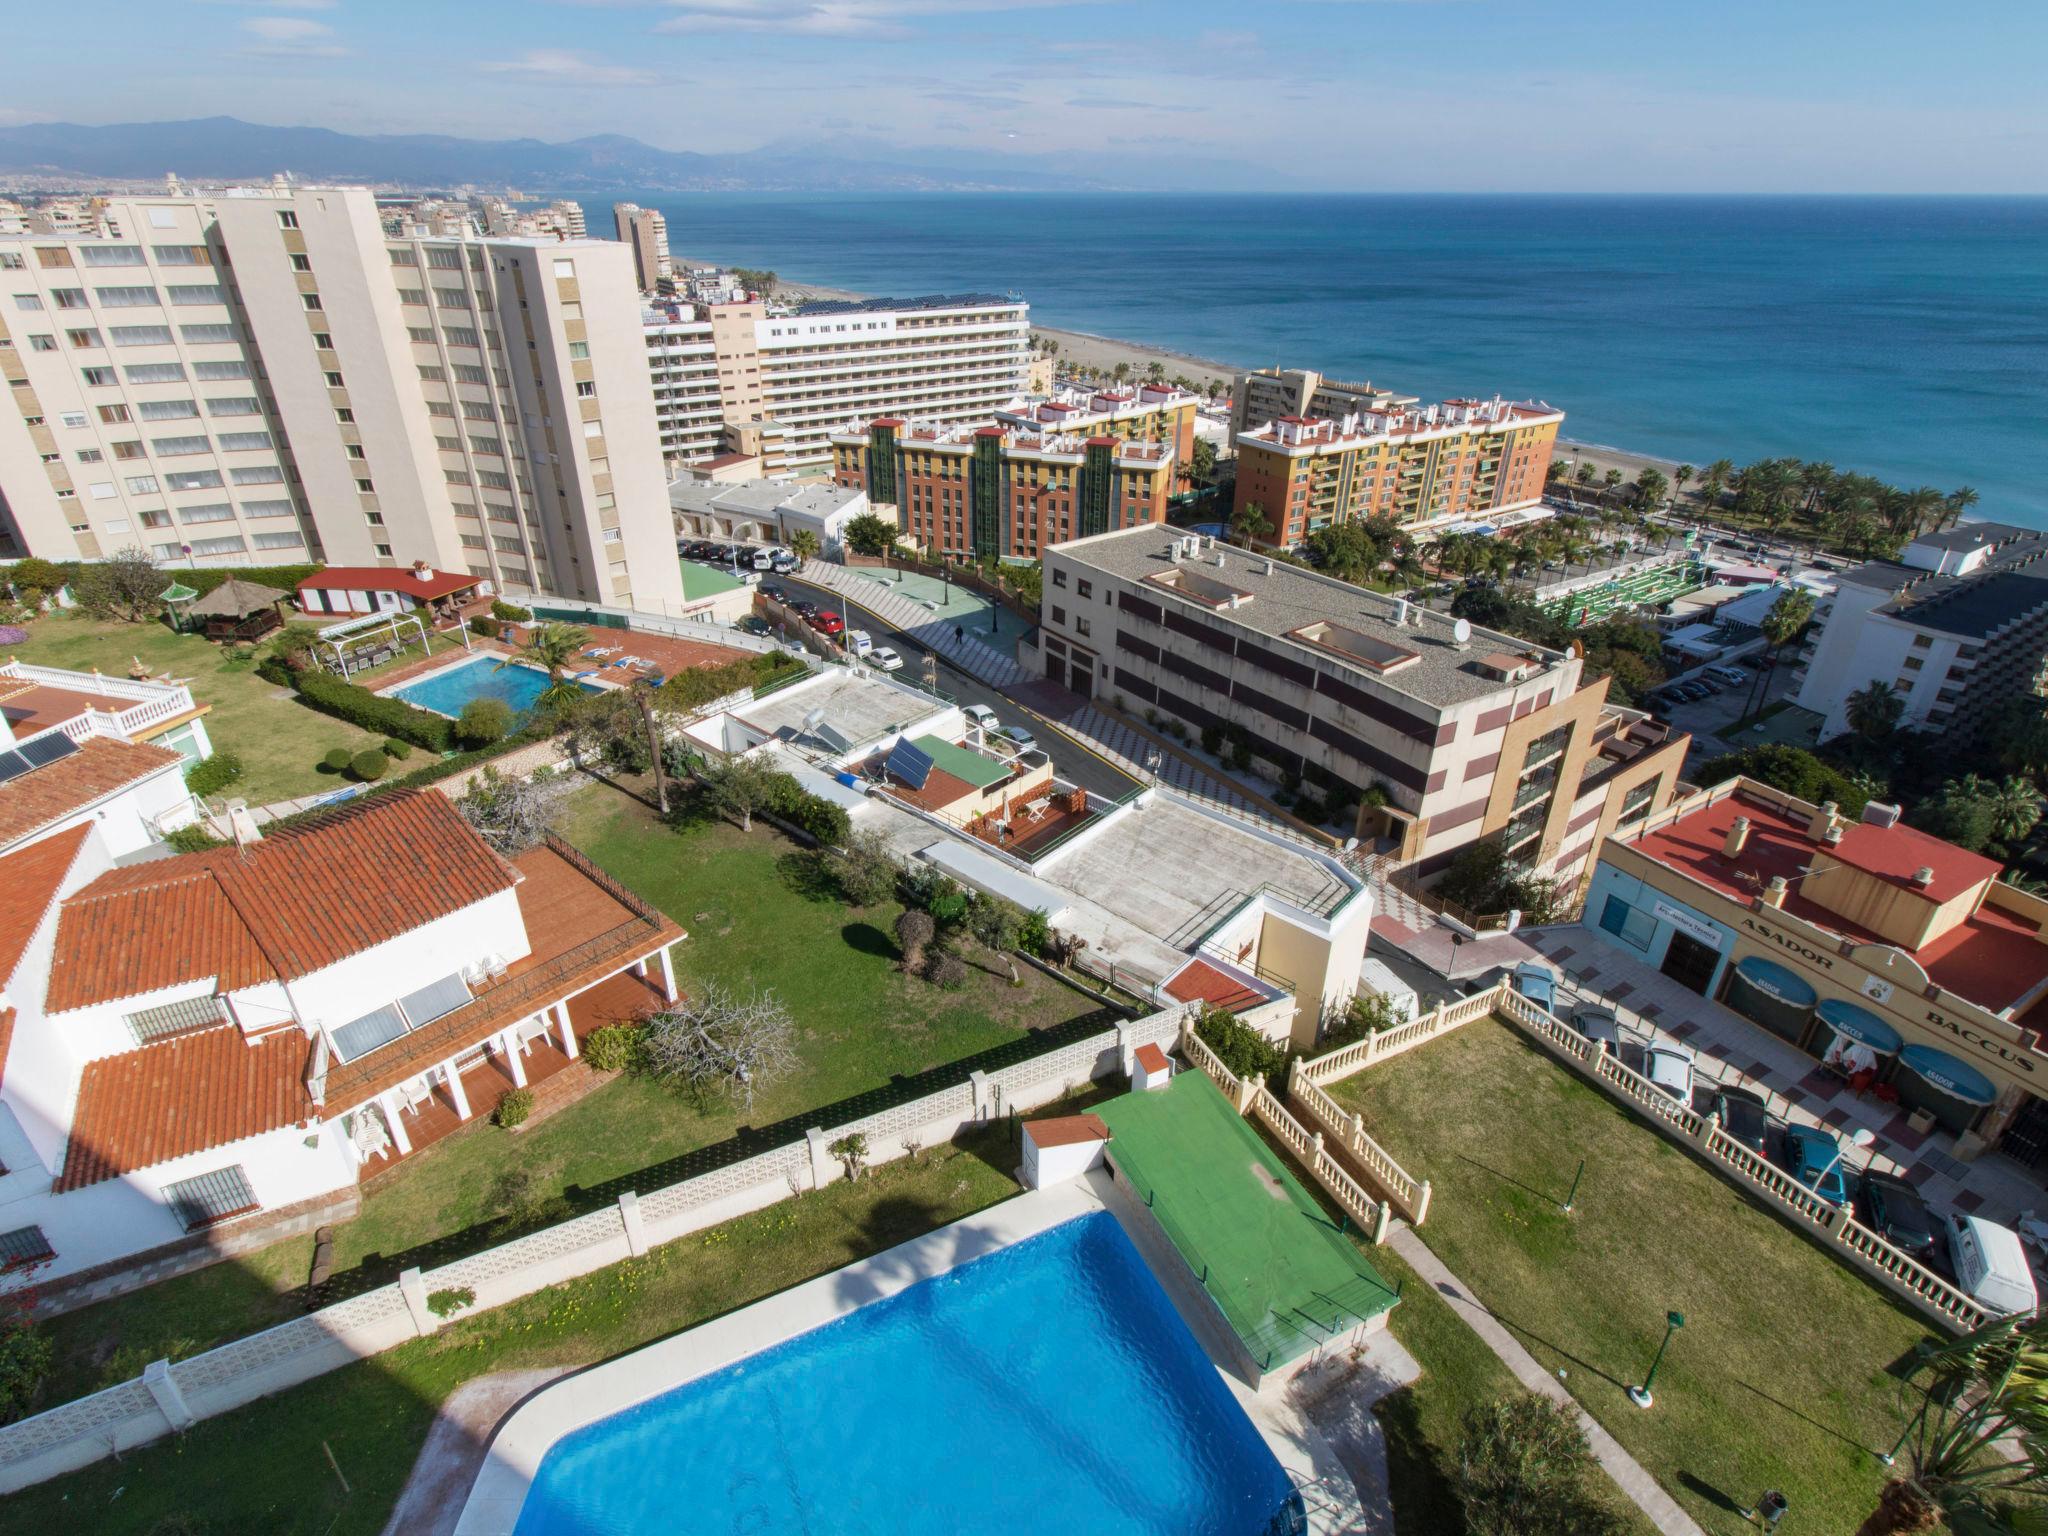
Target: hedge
377, 713
284, 577
213, 775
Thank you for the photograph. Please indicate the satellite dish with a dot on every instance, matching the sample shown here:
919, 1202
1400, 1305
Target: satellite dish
1461, 632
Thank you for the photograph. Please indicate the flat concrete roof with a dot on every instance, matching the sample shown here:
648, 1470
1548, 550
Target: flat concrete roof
1174, 870
858, 707
1287, 598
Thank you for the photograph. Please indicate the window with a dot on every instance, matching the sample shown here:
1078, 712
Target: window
301, 263
126, 298
283, 539
210, 372
413, 296
243, 442
212, 1197
586, 390
10, 261
286, 219
1059, 615
344, 415
52, 256
231, 546
28, 301
110, 255
311, 301
156, 519
232, 405
149, 1024
190, 480
129, 450
469, 373
143, 485
199, 335
71, 418
24, 1246
451, 298
1086, 589
67, 298
579, 350
182, 256
366, 485
155, 373
113, 413
565, 269
208, 512
42, 343
360, 1036
1059, 578
98, 378
461, 336
477, 410
166, 410
429, 374
85, 341
172, 447
260, 509
1080, 626
1628, 924
259, 474
90, 456
102, 490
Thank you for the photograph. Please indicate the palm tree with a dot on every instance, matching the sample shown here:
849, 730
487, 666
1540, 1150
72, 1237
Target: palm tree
2015, 808
1975, 1439
1584, 475
1960, 500
1814, 479
803, 543
1559, 468
1680, 476
1248, 522
1874, 710
1790, 614
1713, 478
1923, 509
1650, 487
1611, 480
551, 647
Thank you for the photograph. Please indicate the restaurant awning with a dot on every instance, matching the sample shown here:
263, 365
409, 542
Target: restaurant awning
1770, 977
1957, 1079
1860, 1025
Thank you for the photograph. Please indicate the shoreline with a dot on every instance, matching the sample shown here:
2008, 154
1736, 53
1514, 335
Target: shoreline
1096, 351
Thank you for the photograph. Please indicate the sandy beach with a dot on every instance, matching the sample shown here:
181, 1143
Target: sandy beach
1084, 349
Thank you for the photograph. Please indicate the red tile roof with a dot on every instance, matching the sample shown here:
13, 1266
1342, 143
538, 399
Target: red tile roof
183, 1095
1200, 982
295, 903
383, 578
6, 1040
100, 766
29, 880
1066, 1130
1151, 1058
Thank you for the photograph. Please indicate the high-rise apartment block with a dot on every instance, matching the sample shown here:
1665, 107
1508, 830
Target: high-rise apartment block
1157, 413
1419, 467
994, 490
646, 231
948, 361
1263, 397
266, 376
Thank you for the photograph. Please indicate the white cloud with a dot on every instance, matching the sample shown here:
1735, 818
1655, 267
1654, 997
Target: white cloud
829, 18
558, 66
291, 37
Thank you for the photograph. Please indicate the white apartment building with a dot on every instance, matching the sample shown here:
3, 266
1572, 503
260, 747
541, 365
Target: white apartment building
947, 360
265, 377
1261, 398
196, 1051
646, 231
1957, 625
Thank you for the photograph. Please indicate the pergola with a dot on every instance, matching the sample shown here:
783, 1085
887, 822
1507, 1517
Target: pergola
238, 610
345, 638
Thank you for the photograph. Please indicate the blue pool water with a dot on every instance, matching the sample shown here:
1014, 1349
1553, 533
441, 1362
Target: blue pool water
1048, 1386
446, 692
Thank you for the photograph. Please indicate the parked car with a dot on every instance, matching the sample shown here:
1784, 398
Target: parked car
1596, 1023
1744, 1117
1024, 740
1669, 1066
1732, 676
1813, 1157
764, 559
829, 624
1538, 983
886, 658
1893, 1209
805, 610
784, 561
981, 715
772, 589
752, 624
1991, 1266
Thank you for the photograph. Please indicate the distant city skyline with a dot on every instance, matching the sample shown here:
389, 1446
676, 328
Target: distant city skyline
1398, 95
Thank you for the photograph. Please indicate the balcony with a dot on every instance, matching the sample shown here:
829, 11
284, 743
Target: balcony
84, 704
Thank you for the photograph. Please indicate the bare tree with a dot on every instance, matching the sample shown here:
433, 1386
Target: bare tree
510, 814
914, 930
852, 1150
126, 585
739, 786
721, 1040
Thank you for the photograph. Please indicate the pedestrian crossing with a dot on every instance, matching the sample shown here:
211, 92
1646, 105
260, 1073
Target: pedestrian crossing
945, 637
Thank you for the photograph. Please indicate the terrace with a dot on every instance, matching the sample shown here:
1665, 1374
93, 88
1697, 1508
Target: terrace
34, 698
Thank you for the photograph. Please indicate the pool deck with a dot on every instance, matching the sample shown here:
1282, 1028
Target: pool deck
524, 1438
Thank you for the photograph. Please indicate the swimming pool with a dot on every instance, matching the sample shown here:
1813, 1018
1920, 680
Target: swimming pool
446, 692
1049, 1383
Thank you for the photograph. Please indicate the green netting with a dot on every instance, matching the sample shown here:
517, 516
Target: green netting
1280, 1269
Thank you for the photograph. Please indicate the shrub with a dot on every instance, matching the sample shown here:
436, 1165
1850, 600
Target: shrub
1240, 756
1034, 933
369, 766
514, 1105
192, 839
827, 822
25, 1355
383, 715
1524, 1469
489, 628
946, 970
914, 930
867, 872
335, 760
448, 1302
1238, 1046
483, 721
612, 1048
510, 612
393, 747
213, 775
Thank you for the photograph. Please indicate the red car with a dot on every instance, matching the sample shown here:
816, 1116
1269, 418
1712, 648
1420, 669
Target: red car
829, 624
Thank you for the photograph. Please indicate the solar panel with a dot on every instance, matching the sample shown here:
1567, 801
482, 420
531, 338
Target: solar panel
12, 766
45, 750
909, 762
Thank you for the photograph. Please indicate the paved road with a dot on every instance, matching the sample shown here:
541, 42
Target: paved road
1071, 761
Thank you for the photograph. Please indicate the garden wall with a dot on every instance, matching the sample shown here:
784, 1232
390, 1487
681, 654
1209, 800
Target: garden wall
173, 1395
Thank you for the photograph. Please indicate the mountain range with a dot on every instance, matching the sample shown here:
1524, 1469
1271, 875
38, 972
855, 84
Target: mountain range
226, 148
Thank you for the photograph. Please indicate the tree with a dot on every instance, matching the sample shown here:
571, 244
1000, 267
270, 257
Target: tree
1202, 460
509, 813
1524, 1469
852, 1150
1794, 770
1784, 623
803, 544
997, 923
1242, 1049
1559, 468
1960, 500
1713, 478
483, 721
1975, 1446
1650, 487
1155, 371
552, 647
866, 869
914, 930
721, 1040
739, 786
868, 534
1874, 710
1682, 476
1249, 522
1121, 371
33, 579
125, 586
2015, 808
1484, 880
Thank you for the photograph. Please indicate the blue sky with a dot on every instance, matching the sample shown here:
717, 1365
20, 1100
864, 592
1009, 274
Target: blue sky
1538, 95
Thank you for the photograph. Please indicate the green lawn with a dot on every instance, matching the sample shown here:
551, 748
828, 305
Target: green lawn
279, 740
263, 1467
1782, 1374
752, 920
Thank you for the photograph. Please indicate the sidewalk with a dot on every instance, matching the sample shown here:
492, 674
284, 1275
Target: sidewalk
1636, 1485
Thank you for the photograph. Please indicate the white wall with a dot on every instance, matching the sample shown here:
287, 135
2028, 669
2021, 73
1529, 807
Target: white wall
123, 819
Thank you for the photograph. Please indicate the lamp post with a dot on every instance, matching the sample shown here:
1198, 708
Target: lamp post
1640, 1396
1858, 1137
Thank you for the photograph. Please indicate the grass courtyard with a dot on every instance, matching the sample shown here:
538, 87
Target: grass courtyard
1782, 1376
279, 740
752, 920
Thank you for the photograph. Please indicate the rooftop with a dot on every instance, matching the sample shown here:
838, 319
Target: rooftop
29, 880
1279, 599
858, 707
101, 766
1992, 957
1967, 536
1449, 416
1974, 606
384, 578
32, 707
905, 306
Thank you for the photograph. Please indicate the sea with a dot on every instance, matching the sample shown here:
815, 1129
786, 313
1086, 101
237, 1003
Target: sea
1905, 338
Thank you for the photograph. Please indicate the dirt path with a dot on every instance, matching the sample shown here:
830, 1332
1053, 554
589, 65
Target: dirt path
448, 1462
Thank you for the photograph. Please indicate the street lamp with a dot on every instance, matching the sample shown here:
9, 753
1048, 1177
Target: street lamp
1640, 1396
1860, 1138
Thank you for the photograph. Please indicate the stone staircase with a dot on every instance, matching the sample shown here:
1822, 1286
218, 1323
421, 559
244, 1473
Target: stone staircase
971, 654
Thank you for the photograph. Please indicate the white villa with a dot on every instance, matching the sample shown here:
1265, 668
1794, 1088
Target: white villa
198, 1049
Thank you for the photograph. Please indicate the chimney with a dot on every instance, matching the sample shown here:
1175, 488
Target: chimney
1923, 877
1775, 892
1824, 816
421, 569
1266, 568
242, 824
1737, 839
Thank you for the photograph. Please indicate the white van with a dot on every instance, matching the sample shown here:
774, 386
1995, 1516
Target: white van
1991, 1266
1377, 976
859, 642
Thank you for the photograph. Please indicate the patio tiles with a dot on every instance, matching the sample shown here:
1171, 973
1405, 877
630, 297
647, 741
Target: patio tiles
1717, 1050
1835, 1118
1968, 1200
1563, 952
1619, 991
1586, 973
1686, 1031
1759, 1069
1649, 1010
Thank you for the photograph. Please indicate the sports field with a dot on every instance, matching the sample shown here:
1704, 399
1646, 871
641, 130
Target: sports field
1279, 1269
